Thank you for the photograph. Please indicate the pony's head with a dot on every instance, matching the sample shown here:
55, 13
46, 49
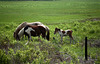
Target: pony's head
56, 30
16, 36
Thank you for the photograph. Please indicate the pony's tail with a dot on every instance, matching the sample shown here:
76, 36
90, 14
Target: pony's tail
48, 35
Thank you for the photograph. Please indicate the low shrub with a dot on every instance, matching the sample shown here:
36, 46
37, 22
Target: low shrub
4, 58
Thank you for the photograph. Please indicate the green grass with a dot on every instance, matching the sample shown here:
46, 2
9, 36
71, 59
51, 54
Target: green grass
61, 14
44, 11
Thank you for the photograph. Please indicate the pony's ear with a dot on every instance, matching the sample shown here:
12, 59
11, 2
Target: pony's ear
56, 28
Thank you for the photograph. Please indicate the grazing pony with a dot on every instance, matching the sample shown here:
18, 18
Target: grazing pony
18, 33
32, 30
64, 33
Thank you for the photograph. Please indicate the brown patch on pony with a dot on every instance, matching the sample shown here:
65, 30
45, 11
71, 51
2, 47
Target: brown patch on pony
63, 32
70, 33
39, 30
42, 31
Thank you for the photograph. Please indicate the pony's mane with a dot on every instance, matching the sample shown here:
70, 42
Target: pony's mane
35, 23
20, 27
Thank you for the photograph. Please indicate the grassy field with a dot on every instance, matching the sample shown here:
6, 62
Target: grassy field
83, 17
45, 11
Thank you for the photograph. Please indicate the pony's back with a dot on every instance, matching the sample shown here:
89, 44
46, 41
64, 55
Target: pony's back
23, 25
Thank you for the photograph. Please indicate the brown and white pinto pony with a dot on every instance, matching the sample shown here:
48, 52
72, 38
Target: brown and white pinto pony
33, 30
64, 33
24, 24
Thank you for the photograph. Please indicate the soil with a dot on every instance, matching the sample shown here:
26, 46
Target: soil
90, 19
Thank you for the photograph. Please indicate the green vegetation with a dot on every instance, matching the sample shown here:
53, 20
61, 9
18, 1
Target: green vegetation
80, 16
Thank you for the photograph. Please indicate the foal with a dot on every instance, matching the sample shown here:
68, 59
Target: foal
64, 33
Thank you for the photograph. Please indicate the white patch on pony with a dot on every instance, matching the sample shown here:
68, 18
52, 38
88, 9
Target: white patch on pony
21, 33
29, 29
66, 32
28, 32
63, 34
60, 32
43, 26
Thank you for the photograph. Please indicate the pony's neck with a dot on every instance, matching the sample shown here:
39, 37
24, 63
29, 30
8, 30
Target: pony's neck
20, 27
60, 32
21, 33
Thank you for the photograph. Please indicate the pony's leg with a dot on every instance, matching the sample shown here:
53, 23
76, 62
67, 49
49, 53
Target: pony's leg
28, 40
70, 40
23, 37
43, 33
43, 36
30, 37
61, 39
73, 41
67, 39
39, 39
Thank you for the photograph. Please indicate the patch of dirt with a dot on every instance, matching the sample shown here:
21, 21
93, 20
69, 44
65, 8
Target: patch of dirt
94, 42
90, 19
89, 61
55, 23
